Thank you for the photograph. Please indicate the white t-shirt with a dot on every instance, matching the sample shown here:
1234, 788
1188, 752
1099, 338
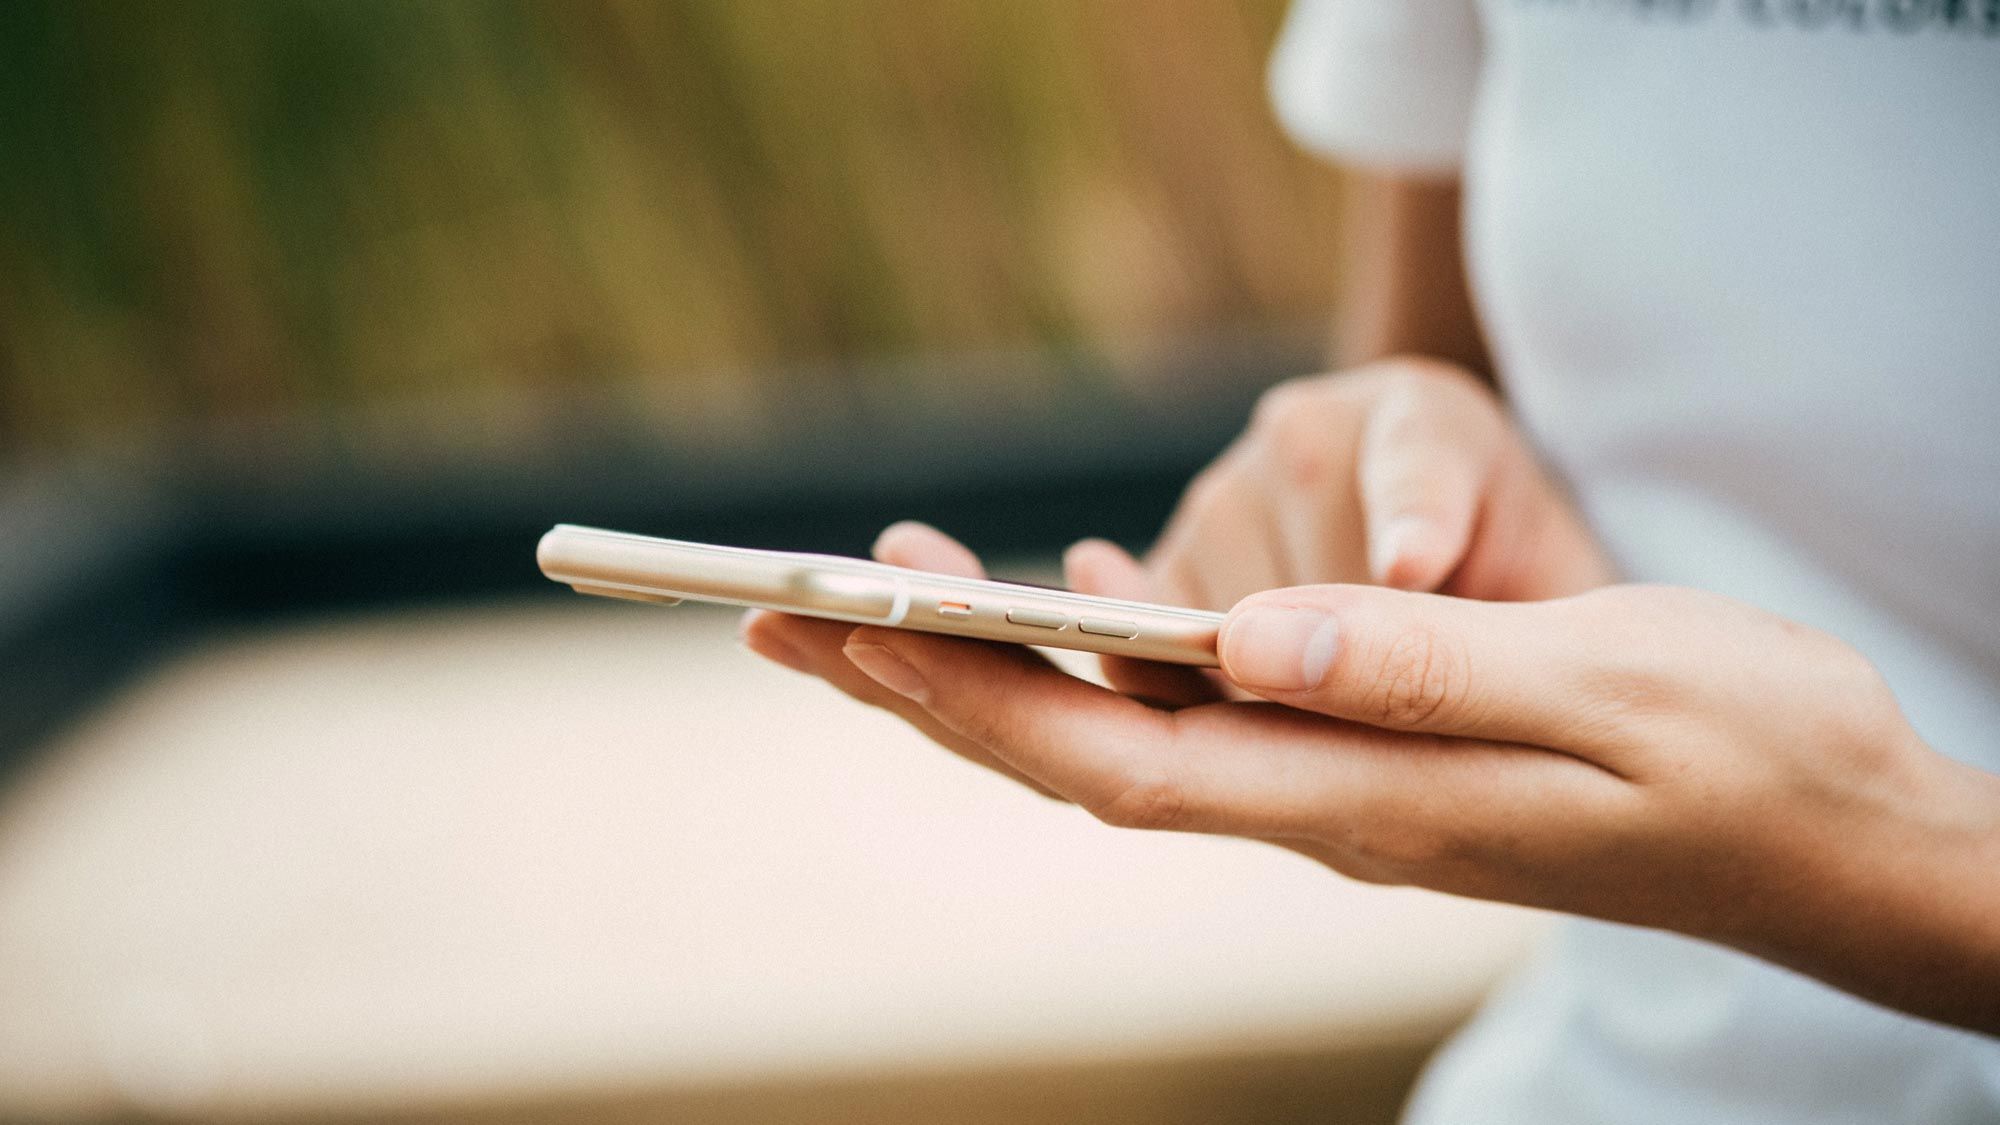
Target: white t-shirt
1739, 261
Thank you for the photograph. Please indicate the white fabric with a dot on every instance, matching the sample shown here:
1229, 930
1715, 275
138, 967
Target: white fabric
1400, 92
1740, 264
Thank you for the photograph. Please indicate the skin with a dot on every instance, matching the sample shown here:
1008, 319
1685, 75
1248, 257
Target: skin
1407, 292
1430, 677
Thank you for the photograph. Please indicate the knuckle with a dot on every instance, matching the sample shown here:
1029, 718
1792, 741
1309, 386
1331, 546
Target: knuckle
982, 729
1285, 400
1635, 678
1621, 697
1299, 434
1207, 490
1865, 717
1364, 870
1844, 670
986, 721
1404, 846
1419, 374
1419, 678
1147, 801
1414, 850
1420, 395
1408, 389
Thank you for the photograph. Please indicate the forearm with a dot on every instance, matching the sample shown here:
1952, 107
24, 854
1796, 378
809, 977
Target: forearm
1407, 291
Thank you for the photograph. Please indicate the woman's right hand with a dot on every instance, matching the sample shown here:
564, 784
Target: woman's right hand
1405, 473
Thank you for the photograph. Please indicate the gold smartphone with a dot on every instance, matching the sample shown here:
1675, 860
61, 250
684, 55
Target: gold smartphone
666, 571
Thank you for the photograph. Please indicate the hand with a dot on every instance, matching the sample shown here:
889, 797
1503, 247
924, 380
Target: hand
1645, 755
1406, 473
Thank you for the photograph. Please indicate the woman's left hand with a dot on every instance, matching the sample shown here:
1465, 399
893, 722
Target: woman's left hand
1647, 755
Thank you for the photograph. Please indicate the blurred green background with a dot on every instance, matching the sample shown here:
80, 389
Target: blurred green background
318, 803
232, 212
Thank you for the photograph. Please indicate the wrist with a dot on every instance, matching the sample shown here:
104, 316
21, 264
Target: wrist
1904, 900
1964, 844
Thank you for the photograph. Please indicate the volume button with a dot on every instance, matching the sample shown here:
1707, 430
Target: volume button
1105, 627
1040, 619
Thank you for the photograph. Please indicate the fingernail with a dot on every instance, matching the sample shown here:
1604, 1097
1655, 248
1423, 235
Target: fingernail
887, 669
1279, 647
1390, 543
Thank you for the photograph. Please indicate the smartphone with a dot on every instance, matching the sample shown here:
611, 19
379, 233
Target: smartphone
666, 571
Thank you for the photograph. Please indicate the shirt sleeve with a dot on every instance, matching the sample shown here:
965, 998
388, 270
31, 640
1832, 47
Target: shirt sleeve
1383, 83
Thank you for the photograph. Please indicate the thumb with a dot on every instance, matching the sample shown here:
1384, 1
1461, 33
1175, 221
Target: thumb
1512, 672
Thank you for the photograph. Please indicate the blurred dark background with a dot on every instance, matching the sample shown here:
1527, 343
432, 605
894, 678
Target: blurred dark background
320, 303
317, 803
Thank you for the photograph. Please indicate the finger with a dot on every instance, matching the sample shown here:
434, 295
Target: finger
1306, 433
920, 546
1530, 673
766, 633
1319, 526
815, 647
1530, 543
1110, 753
1172, 573
1246, 769
1219, 545
1102, 568
1427, 454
